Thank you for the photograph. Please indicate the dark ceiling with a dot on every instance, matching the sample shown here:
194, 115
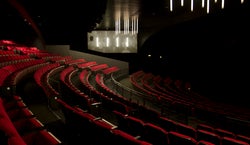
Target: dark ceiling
56, 20
61, 20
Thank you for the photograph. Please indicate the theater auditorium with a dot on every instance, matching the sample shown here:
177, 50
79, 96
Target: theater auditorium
124, 72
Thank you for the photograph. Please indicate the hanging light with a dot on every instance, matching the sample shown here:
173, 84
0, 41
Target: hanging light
208, 6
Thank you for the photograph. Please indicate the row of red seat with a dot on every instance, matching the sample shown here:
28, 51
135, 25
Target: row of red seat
95, 130
218, 131
110, 70
194, 102
184, 89
42, 75
8, 70
9, 134
98, 67
19, 126
167, 131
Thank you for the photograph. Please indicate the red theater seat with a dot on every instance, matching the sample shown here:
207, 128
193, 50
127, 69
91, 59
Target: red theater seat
208, 136
176, 138
154, 134
232, 141
41, 137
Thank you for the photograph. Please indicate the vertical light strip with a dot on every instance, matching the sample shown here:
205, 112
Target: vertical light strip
132, 25
242, 1
97, 42
171, 5
127, 43
126, 22
182, 3
192, 5
119, 24
137, 27
117, 41
117, 19
124, 26
208, 6
128, 25
203, 3
107, 41
222, 4
116, 26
